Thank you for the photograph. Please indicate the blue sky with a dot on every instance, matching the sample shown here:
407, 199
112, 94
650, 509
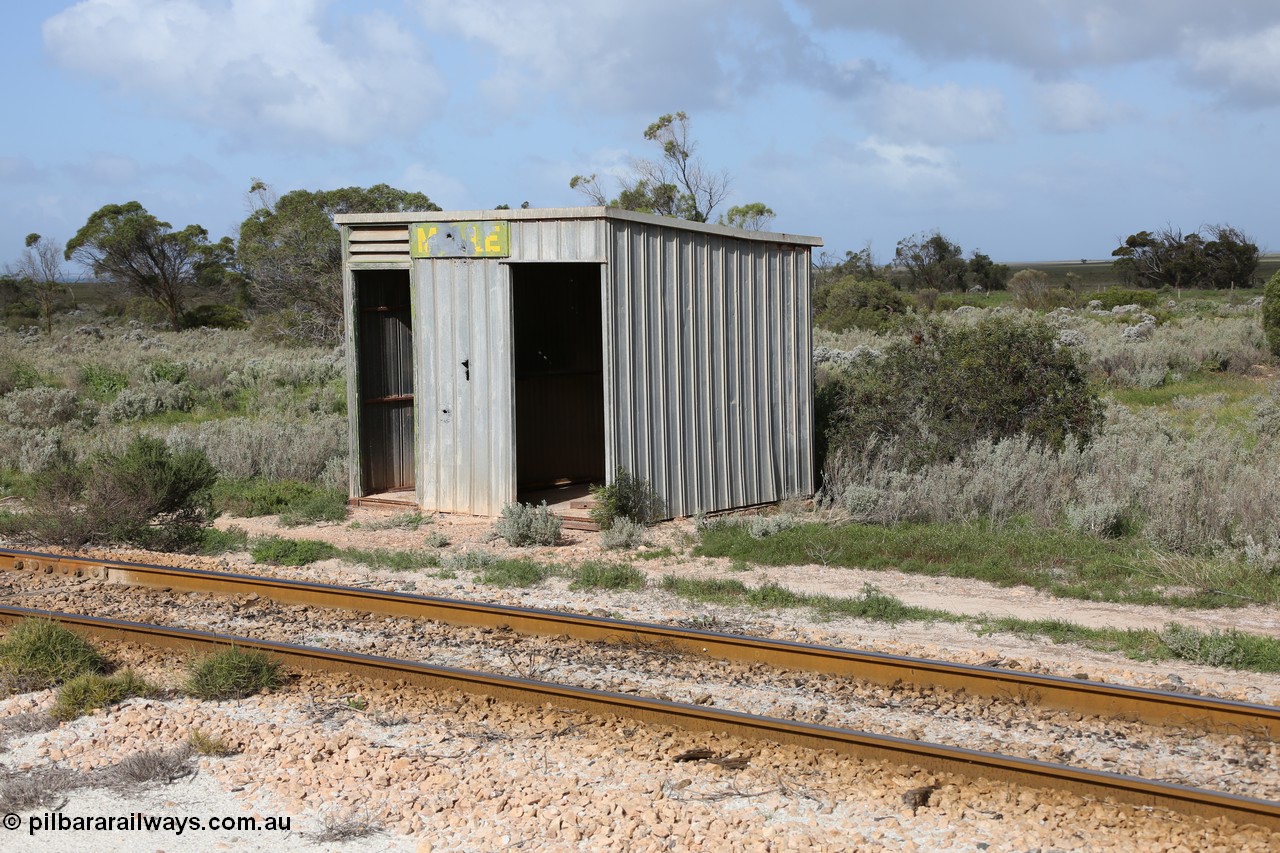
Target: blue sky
1028, 129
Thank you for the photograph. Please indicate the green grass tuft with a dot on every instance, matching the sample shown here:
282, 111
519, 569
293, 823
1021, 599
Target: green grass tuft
38, 654
596, 575
232, 674
518, 573
91, 691
278, 551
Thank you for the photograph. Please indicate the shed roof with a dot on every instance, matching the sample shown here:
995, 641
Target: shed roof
537, 213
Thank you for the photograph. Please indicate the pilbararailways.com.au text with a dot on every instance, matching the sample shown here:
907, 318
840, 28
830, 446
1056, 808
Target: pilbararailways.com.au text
142, 822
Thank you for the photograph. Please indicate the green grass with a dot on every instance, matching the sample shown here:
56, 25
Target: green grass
91, 691
1059, 562
513, 573
872, 603
278, 551
1229, 649
1236, 388
387, 558
655, 554
205, 744
597, 575
38, 654
232, 674
215, 541
295, 503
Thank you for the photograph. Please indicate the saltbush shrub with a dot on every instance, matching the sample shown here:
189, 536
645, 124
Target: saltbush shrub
1113, 296
1032, 289
626, 497
525, 524
147, 496
849, 303
1271, 313
623, 533
952, 385
214, 317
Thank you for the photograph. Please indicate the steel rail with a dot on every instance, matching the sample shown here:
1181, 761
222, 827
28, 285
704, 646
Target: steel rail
1110, 701
862, 745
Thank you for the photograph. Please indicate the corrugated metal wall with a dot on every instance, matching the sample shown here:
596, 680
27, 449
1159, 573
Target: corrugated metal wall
707, 352
710, 381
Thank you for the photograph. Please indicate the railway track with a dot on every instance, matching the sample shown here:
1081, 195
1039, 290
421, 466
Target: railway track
1086, 697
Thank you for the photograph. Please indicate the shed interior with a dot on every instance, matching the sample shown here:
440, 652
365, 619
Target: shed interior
559, 375
385, 380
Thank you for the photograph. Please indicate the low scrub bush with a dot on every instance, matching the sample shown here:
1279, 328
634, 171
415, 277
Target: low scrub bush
297, 449
17, 375
147, 496
623, 533
1031, 289
1271, 313
762, 526
1202, 493
214, 317
525, 524
40, 408
100, 381
148, 400
1113, 296
954, 385
627, 496
876, 306
91, 691
38, 654
279, 551
215, 541
232, 674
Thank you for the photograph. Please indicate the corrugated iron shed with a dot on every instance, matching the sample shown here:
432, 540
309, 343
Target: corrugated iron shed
556, 345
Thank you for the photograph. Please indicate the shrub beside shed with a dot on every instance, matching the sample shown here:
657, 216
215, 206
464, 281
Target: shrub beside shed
495, 355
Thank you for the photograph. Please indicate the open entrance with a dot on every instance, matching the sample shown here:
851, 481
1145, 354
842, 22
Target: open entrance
559, 377
384, 342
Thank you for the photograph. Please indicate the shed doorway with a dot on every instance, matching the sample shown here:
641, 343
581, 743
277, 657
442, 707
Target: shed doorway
559, 376
384, 341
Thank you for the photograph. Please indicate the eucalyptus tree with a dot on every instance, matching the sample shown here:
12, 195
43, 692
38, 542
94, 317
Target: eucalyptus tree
129, 248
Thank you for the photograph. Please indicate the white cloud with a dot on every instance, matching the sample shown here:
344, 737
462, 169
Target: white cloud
252, 68
15, 170
1073, 107
661, 55
909, 168
1247, 66
106, 168
938, 115
1231, 48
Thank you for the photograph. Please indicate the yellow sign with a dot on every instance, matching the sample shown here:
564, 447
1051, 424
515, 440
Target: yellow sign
488, 239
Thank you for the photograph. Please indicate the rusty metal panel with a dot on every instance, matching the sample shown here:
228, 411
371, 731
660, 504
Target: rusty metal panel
709, 381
